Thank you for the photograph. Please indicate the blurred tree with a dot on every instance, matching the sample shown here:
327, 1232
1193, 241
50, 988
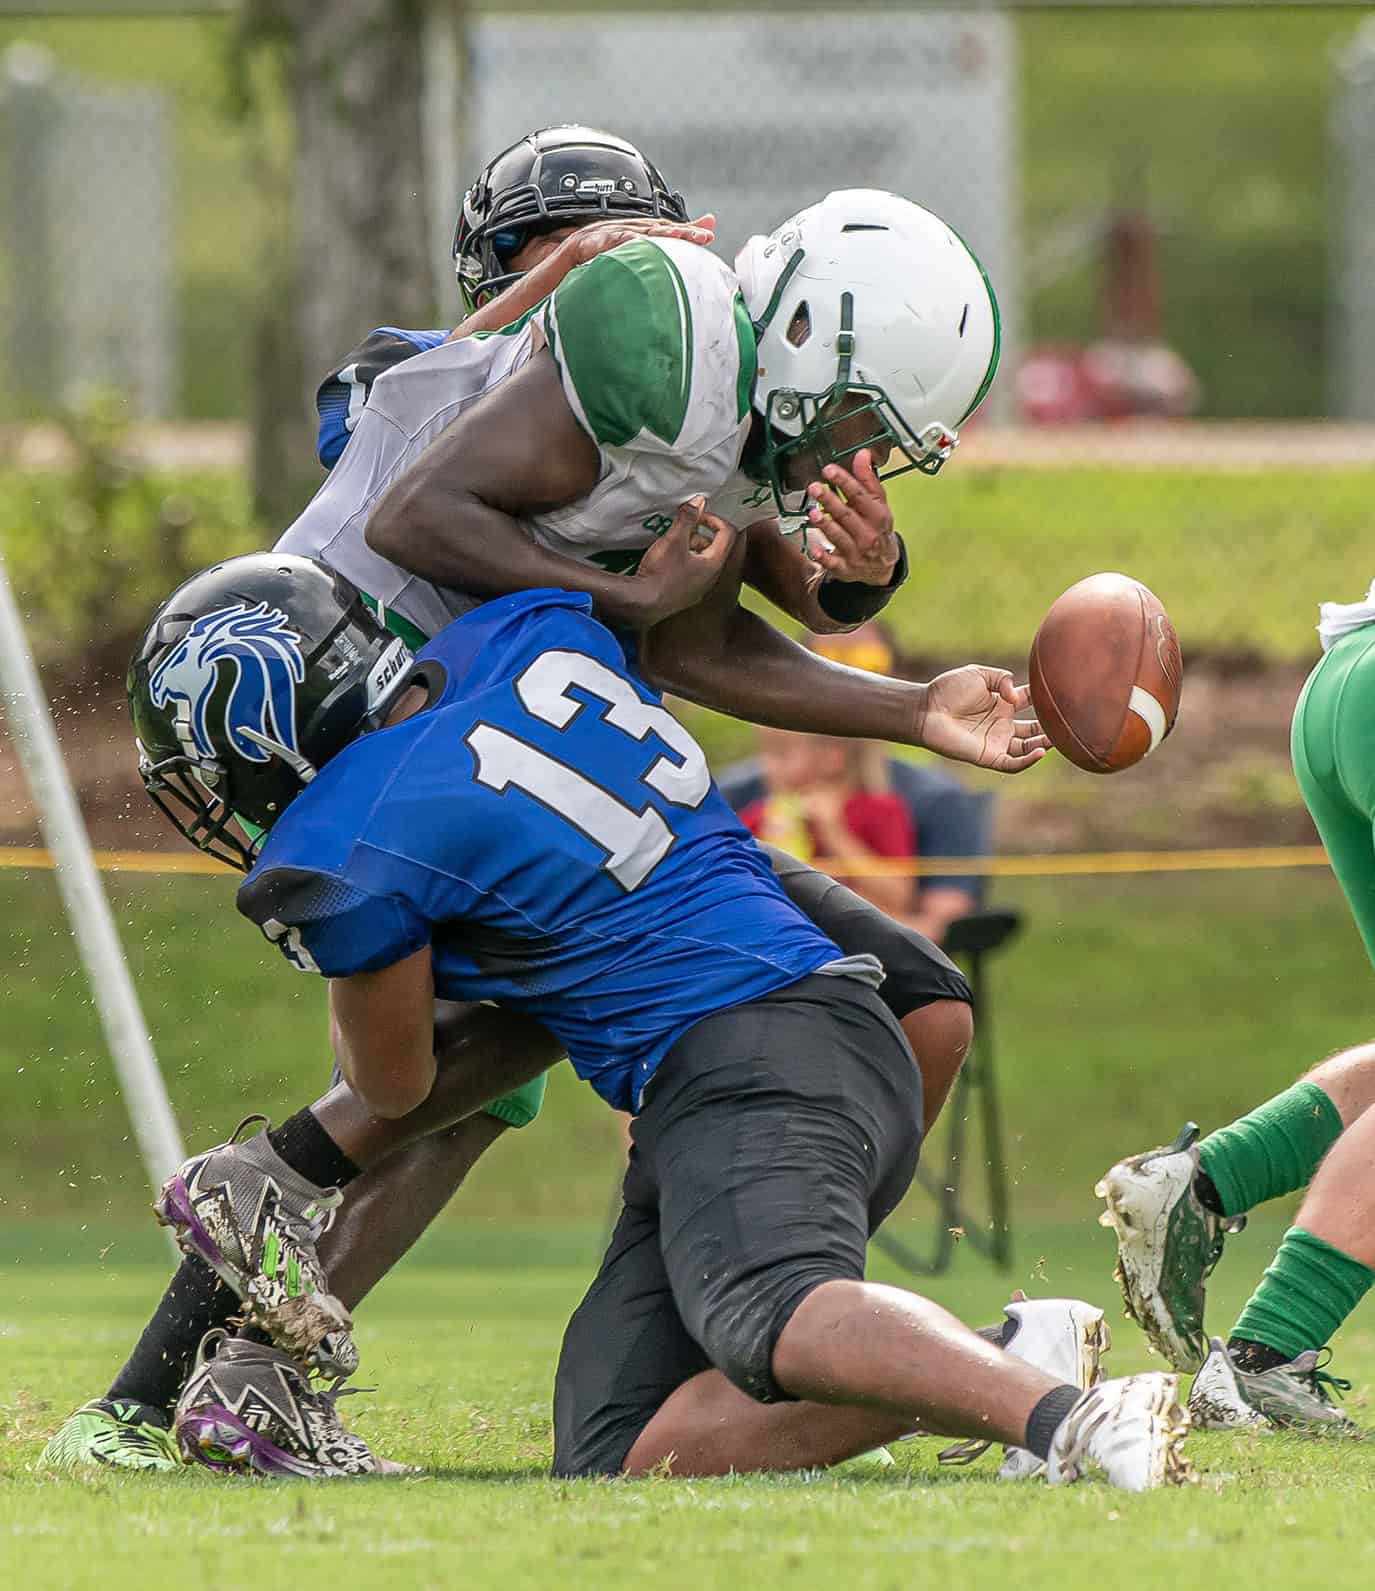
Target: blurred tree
348, 248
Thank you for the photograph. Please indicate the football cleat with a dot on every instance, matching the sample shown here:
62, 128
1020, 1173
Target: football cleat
1216, 1401
248, 1407
117, 1432
1167, 1245
1131, 1431
1293, 1396
255, 1222
1066, 1338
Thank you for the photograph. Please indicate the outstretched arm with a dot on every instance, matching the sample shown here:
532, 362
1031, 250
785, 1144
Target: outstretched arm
720, 655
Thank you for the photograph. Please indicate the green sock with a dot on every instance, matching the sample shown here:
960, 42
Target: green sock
1308, 1291
1273, 1151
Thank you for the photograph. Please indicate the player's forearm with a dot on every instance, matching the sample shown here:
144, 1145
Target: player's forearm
382, 1029
748, 669
780, 570
454, 539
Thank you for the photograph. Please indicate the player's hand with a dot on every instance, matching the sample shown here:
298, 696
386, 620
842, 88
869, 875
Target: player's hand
590, 241
850, 510
674, 575
971, 715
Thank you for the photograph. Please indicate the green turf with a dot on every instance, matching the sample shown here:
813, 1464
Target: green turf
1126, 1000
462, 1350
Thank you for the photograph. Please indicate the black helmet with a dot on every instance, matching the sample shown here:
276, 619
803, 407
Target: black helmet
250, 678
559, 176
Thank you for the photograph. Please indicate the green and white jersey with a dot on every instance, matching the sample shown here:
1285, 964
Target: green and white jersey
656, 356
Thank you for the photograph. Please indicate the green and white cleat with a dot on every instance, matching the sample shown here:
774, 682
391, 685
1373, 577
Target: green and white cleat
115, 1432
1167, 1245
1130, 1431
1296, 1396
1066, 1338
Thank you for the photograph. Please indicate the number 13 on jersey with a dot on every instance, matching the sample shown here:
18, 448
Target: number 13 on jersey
635, 840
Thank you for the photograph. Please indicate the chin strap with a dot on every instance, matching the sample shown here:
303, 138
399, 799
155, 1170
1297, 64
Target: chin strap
304, 770
845, 339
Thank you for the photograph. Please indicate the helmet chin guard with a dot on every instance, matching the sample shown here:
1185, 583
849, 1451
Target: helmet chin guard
865, 305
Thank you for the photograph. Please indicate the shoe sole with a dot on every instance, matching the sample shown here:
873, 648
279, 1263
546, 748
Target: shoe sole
215, 1438
315, 1327
1174, 1420
1140, 1248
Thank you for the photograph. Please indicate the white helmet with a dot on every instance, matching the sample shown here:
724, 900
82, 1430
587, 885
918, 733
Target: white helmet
867, 293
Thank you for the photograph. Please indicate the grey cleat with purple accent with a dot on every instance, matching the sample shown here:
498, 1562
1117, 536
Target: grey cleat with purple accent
255, 1222
249, 1408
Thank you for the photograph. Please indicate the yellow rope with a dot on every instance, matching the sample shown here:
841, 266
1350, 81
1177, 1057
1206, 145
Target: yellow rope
1042, 866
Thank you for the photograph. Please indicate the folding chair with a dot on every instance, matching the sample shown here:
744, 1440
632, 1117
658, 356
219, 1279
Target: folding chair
972, 940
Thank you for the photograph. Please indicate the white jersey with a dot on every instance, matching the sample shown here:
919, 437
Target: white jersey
656, 356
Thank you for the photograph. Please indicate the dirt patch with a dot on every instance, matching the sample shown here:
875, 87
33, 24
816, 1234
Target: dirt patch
1222, 778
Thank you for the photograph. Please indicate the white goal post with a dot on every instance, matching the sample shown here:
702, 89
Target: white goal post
88, 909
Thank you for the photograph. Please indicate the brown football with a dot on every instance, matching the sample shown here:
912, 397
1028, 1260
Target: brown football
1105, 673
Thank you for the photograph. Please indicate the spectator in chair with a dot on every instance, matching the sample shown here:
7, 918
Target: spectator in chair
944, 818
829, 802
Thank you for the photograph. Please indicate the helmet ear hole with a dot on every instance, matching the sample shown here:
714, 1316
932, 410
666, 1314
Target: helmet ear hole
800, 326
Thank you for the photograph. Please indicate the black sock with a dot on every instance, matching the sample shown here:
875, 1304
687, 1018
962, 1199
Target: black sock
310, 1151
1254, 1357
195, 1302
1047, 1418
1206, 1191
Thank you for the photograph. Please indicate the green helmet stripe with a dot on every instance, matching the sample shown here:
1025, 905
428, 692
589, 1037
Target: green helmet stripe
997, 349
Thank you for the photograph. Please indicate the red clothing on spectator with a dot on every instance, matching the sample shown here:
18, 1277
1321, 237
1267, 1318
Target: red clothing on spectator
877, 818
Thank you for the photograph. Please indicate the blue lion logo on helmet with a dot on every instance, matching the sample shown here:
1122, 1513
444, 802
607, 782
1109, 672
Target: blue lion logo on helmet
268, 666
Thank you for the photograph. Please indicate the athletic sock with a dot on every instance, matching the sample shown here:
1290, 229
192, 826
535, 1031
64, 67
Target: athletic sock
1254, 1357
1305, 1295
1047, 1418
195, 1302
310, 1151
1273, 1151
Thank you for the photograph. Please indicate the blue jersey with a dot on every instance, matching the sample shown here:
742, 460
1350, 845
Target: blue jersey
553, 834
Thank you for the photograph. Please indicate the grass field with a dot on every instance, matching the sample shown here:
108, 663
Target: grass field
1126, 1004
461, 1345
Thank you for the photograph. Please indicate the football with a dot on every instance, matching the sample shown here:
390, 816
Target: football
1106, 673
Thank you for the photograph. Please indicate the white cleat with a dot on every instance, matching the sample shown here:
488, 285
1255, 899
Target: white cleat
1066, 1338
1130, 1431
1216, 1401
